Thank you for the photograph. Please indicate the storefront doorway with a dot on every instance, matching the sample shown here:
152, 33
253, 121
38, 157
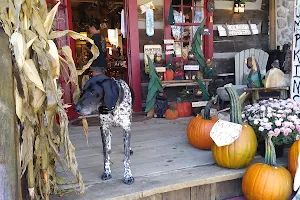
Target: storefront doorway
118, 24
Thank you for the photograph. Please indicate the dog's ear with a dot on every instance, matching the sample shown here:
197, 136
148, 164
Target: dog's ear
111, 93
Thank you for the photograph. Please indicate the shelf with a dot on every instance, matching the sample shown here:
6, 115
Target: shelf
180, 83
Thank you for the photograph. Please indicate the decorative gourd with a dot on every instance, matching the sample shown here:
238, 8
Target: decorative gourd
169, 75
171, 113
184, 108
267, 180
241, 152
198, 129
293, 158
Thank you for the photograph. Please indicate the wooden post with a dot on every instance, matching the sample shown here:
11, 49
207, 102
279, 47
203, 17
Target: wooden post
9, 180
272, 19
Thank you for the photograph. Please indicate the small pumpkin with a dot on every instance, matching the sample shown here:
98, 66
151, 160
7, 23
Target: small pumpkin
171, 113
184, 108
198, 129
293, 158
267, 180
169, 75
241, 152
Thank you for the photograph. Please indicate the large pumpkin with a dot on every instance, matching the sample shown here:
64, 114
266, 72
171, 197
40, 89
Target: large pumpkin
241, 152
198, 129
267, 181
169, 75
293, 157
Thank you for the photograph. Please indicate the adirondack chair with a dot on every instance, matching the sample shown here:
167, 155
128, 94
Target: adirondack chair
242, 71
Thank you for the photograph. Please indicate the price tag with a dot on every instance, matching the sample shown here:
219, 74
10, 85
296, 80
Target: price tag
169, 52
169, 47
191, 67
225, 133
168, 41
199, 104
160, 69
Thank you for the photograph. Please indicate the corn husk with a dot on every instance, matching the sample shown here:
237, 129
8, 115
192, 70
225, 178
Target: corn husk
85, 129
38, 64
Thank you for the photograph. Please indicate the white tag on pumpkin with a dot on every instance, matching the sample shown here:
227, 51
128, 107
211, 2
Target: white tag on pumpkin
225, 133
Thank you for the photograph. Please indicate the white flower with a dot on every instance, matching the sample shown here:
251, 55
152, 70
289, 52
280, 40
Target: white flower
256, 121
265, 120
243, 115
261, 128
269, 115
263, 108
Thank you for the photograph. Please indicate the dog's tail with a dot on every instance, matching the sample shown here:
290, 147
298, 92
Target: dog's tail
132, 94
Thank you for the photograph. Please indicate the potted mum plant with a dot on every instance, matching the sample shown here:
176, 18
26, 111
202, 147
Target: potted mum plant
276, 118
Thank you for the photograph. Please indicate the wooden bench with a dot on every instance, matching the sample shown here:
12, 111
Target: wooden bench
255, 92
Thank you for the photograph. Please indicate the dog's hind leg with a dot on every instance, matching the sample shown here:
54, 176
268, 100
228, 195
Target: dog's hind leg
128, 178
106, 143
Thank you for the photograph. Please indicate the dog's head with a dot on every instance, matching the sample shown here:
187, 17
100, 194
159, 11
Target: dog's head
98, 91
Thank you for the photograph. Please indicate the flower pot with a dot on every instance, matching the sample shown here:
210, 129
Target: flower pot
261, 149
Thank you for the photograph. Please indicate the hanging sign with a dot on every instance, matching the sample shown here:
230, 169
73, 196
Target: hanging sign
148, 9
237, 29
160, 69
295, 81
199, 104
150, 22
169, 52
150, 50
225, 133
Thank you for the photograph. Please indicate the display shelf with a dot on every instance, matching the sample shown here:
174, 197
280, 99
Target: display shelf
181, 83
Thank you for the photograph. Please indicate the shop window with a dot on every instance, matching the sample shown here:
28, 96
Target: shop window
188, 15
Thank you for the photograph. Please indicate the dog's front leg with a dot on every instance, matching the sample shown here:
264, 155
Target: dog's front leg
128, 178
106, 144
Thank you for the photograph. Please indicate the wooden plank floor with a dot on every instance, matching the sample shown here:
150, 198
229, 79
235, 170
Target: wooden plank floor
160, 147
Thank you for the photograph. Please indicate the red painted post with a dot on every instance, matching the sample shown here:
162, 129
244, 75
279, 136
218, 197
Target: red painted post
134, 54
208, 39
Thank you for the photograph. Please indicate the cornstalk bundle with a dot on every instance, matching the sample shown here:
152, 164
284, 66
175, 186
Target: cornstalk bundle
38, 64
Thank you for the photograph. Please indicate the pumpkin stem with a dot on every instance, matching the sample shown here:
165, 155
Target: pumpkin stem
235, 104
172, 108
270, 155
206, 113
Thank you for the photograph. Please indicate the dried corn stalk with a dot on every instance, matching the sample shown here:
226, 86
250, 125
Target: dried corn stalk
39, 105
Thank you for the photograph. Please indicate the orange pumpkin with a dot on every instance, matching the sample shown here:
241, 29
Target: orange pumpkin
267, 181
169, 75
184, 108
241, 152
293, 157
198, 129
171, 113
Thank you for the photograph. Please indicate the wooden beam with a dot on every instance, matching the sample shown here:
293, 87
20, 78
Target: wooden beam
272, 18
9, 180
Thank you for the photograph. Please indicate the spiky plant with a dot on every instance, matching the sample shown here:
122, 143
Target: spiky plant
39, 104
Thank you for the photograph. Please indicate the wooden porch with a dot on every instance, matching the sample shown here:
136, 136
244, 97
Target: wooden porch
164, 164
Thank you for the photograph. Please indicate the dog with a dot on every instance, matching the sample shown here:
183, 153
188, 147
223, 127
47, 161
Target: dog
112, 99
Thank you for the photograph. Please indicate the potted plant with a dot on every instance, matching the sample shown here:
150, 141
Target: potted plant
276, 118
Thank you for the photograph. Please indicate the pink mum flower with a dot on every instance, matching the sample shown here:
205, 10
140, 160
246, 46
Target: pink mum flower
276, 132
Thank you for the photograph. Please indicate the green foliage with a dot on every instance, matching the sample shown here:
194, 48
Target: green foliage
203, 89
197, 46
154, 86
186, 95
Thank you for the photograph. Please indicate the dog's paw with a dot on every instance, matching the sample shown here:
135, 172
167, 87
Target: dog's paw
129, 180
106, 176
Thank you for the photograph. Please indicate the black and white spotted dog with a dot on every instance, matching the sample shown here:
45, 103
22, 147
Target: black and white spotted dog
112, 99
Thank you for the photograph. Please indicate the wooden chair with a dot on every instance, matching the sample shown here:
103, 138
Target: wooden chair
241, 68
